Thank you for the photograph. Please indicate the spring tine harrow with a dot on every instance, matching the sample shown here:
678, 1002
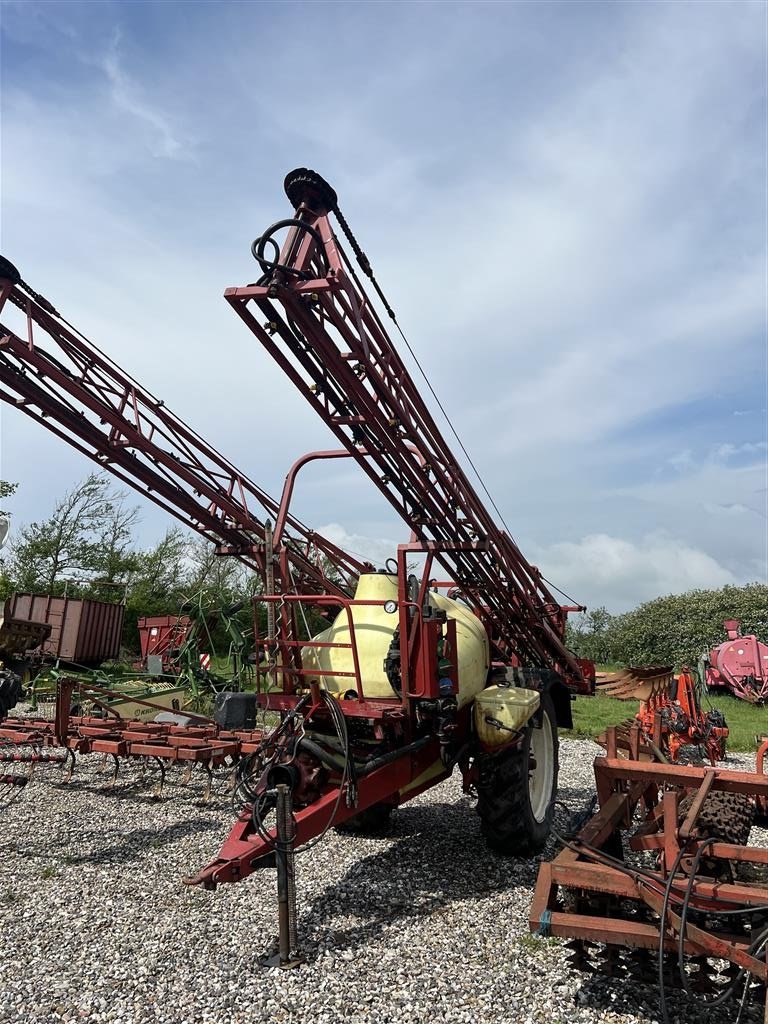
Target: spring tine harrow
24, 759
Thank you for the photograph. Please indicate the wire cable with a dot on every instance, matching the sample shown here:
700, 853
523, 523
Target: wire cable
365, 266
368, 271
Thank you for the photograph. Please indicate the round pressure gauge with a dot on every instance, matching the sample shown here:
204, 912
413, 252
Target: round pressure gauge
390, 607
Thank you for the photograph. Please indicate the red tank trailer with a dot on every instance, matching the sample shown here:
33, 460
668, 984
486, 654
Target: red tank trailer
739, 665
160, 637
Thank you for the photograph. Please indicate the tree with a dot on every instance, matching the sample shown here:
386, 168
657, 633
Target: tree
7, 489
221, 580
87, 533
679, 628
671, 630
590, 636
114, 559
6, 583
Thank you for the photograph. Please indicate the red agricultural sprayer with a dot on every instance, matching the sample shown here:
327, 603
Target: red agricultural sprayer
461, 664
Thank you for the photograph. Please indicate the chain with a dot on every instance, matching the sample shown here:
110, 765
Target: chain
39, 299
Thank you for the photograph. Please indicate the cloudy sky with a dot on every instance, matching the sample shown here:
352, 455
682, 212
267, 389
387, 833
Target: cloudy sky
566, 204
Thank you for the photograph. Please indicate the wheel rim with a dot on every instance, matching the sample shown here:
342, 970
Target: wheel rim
541, 773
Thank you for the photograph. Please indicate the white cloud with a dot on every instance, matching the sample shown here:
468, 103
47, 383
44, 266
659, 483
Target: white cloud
728, 451
126, 95
604, 570
681, 460
373, 549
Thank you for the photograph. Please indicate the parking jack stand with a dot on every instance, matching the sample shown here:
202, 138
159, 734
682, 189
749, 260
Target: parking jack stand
287, 954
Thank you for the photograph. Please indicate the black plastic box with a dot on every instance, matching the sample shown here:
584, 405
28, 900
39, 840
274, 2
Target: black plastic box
235, 710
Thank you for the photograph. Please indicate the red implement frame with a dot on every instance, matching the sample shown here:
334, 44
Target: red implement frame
587, 866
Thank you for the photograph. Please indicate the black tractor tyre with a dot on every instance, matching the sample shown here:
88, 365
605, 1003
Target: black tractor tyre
372, 821
508, 820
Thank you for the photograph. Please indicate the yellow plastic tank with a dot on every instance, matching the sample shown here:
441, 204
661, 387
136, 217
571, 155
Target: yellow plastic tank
502, 710
374, 628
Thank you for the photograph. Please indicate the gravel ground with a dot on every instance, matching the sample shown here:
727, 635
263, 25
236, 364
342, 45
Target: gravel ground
423, 924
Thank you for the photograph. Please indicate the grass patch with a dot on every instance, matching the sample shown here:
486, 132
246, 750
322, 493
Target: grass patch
591, 715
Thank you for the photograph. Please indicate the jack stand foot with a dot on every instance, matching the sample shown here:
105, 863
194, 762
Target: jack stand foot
294, 960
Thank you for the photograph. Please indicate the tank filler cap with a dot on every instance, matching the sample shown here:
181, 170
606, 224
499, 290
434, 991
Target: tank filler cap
303, 185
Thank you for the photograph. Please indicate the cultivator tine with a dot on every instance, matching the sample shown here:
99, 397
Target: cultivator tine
69, 766
11, 786
580, 955
642, 966
610, 962
110, 784
24, 758
104, 764
208, 789
700, 977
186, 775
157, 792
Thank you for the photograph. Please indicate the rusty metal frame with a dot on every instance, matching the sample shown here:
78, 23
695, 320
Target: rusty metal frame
628, 786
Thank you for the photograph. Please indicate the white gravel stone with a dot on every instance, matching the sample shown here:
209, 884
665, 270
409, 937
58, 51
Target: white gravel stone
424, 924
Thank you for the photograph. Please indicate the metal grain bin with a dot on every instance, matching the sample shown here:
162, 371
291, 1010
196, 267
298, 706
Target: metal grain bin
82, 632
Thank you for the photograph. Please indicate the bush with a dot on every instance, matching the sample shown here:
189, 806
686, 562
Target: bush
672, 630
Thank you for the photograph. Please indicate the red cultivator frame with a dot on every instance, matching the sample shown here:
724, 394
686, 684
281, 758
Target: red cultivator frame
198, 742
665, 865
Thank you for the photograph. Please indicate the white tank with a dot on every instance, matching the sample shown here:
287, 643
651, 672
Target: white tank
373, 631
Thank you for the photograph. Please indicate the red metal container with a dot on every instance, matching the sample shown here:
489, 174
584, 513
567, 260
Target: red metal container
161, 636
82, 632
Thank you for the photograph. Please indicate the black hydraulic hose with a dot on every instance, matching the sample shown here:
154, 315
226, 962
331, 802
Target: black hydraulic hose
270, 266
393, 755
362, 768
730, 990
325, 756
